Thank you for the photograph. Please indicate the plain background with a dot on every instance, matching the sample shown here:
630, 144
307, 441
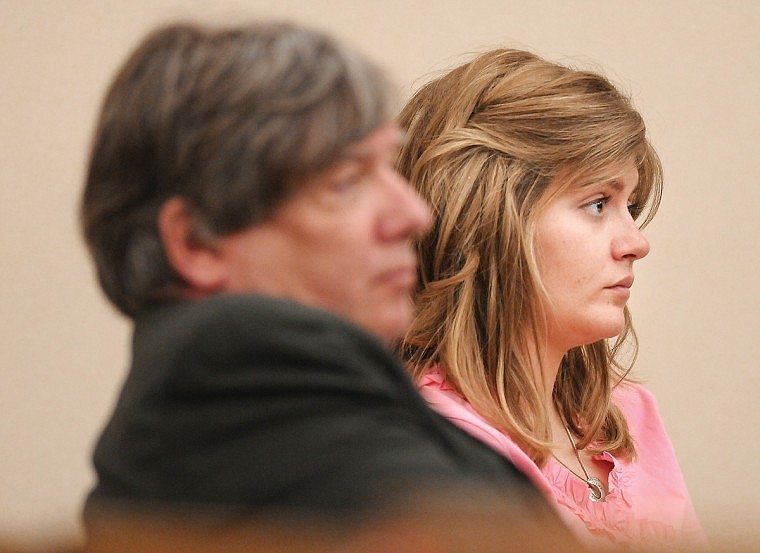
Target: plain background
691, 67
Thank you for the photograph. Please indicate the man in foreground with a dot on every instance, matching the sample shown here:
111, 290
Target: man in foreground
242, 207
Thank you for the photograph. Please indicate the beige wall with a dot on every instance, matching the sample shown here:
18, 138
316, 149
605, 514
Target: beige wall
691, 66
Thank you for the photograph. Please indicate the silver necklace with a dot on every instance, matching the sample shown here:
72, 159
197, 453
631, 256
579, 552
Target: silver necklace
596, 490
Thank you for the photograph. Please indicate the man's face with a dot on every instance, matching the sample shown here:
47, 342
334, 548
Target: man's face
341, 243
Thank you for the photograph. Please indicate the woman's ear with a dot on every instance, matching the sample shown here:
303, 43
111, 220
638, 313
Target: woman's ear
195, 258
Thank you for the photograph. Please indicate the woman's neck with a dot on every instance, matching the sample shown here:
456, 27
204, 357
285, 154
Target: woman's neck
545, 363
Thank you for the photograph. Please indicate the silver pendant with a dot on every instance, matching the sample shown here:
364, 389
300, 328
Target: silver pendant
596, 491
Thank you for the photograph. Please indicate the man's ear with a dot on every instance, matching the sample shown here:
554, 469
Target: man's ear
195, 258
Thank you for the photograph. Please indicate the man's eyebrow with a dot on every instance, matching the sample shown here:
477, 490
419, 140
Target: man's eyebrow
361, 150
351, 153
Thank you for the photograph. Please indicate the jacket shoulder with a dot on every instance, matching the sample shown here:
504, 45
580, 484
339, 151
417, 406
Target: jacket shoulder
230, 331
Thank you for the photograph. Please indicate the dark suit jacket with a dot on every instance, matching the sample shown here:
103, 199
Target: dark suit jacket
264, 404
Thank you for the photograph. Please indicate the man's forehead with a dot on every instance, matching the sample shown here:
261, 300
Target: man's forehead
385, 138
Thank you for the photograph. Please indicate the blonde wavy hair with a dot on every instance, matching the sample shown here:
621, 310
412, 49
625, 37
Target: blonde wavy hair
488, 145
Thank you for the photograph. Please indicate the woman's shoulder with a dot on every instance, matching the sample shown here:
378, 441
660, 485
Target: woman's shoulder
645, 423
446, 401
656, 465
442, 397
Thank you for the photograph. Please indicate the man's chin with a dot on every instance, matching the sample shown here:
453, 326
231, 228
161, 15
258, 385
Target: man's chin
389, 326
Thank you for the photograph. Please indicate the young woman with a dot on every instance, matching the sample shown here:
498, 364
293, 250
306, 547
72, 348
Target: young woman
540, 178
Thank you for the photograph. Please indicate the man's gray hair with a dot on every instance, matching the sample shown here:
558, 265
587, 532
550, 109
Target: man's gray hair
230, 120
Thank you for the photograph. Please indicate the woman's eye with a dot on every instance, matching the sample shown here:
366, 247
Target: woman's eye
635, 210
596, 207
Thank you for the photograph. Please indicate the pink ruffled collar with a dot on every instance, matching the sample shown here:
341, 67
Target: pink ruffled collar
612, 518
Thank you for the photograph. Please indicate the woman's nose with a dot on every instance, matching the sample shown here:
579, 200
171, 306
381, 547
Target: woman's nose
631, 243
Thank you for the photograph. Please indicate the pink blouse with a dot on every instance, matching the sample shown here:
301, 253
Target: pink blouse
647, 502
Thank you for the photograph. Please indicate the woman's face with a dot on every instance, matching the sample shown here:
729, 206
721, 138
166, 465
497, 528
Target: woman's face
586, 243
